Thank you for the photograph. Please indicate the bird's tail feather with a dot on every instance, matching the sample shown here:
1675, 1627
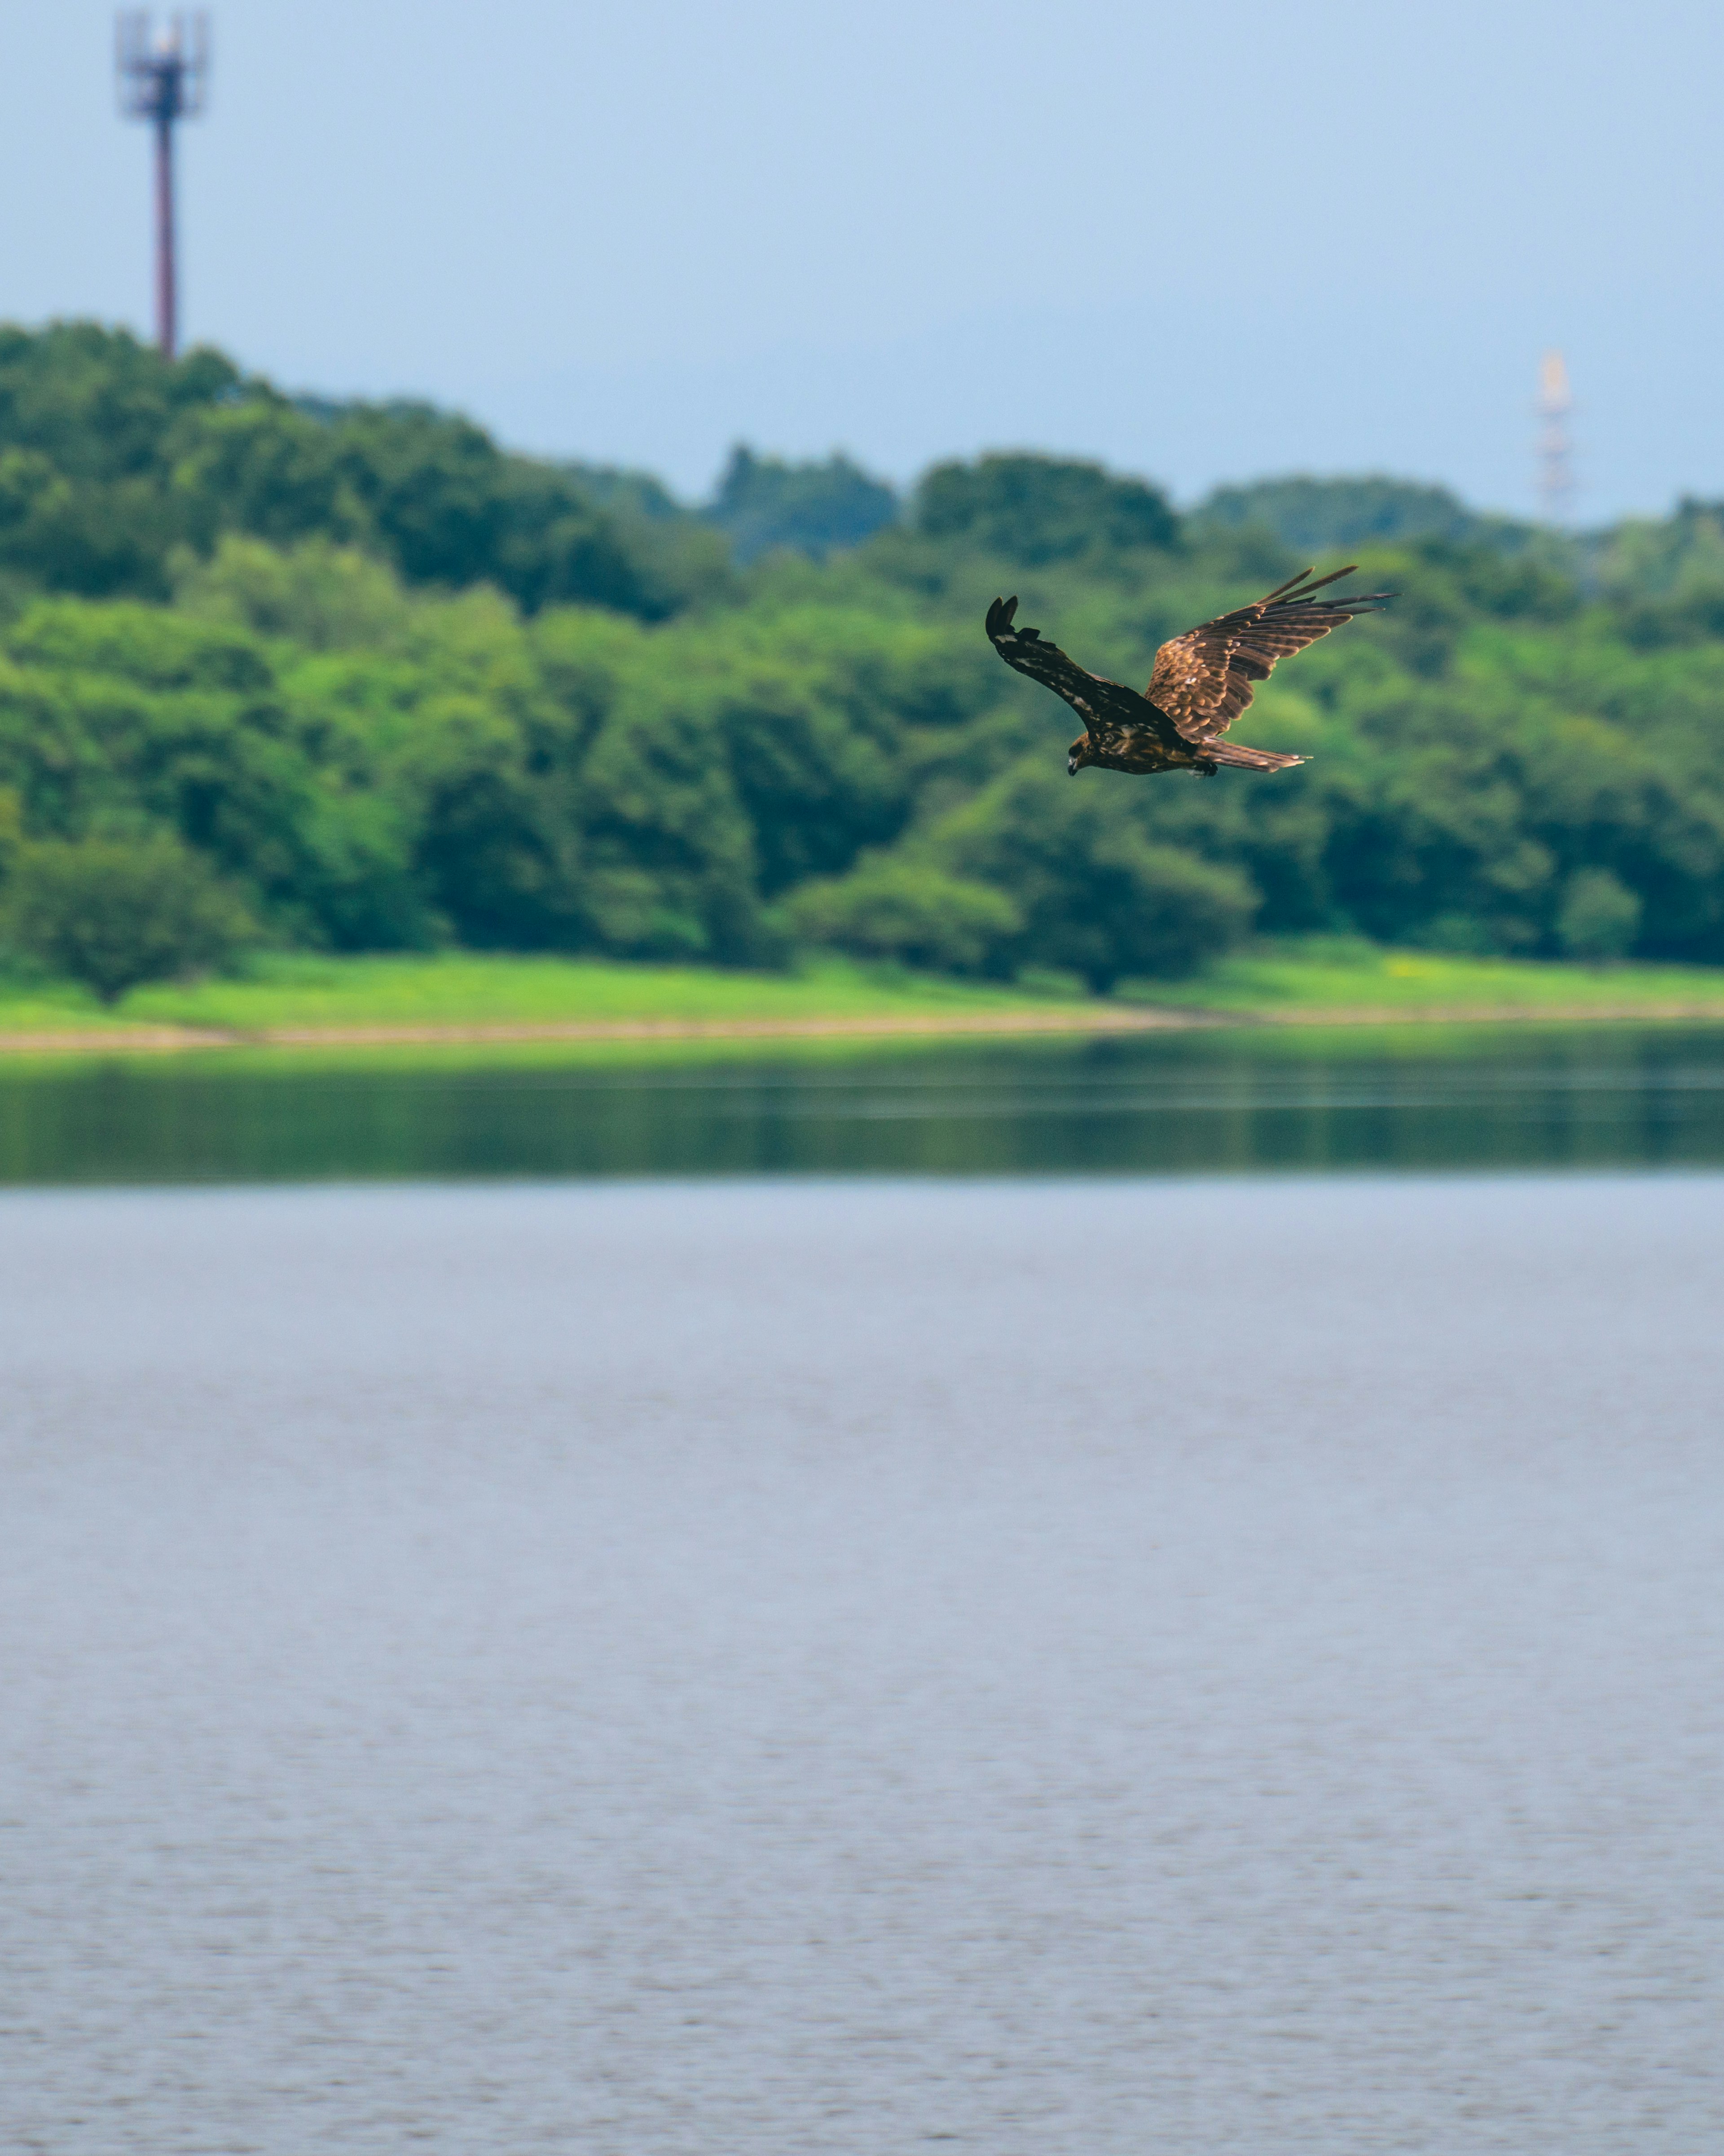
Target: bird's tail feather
1248, 759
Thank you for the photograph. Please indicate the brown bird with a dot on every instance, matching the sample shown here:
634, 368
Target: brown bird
1202, 681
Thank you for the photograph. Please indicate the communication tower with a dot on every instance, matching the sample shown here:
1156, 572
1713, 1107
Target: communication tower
162, 77
1556, 469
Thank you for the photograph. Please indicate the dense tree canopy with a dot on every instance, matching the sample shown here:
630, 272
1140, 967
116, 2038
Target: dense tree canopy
112, 460
813, 509
1316, 513
393, 687
1037, 510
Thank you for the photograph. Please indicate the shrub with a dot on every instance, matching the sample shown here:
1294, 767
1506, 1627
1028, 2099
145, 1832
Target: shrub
1600, 917
901, 909
113, 914
1096, 896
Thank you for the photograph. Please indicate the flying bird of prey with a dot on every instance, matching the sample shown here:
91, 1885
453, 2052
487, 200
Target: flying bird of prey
1202, 681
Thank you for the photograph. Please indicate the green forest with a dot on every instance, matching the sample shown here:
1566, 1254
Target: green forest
363, 680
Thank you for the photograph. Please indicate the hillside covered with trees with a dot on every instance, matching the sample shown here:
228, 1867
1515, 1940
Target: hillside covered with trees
390, 686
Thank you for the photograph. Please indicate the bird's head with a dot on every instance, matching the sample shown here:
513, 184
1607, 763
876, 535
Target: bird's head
1078, 755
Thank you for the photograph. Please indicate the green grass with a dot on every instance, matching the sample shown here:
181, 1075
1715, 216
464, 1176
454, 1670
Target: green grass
1291, 979
1298, 977
459, 988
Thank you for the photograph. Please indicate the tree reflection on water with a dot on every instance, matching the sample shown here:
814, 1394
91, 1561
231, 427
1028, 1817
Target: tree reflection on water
1415, 1098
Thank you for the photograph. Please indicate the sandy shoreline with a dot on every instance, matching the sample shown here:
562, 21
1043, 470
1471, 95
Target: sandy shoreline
160, 1040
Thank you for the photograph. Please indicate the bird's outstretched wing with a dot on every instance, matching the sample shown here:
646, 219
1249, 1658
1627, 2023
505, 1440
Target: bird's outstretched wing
1106, 707
1204, 680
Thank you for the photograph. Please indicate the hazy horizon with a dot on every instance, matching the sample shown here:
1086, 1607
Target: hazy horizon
1207, 249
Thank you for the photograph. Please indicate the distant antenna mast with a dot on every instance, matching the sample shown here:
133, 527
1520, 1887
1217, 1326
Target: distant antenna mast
1556, 470
162, 75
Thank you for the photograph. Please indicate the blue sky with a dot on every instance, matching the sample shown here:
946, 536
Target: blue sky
1204, 244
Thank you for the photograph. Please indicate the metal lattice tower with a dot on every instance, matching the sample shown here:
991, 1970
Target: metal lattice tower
162, 77
1556, 467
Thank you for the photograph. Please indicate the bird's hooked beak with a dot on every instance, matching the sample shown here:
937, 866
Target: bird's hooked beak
1072, 766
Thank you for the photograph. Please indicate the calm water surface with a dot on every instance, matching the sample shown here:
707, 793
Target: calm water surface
756, 1668
1422, 1098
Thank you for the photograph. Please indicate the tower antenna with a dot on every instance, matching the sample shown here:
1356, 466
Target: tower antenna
1556, 469
162, 78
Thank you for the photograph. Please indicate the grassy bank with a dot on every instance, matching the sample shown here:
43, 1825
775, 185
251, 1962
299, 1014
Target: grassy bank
459, 990
1347, 978
294, 1000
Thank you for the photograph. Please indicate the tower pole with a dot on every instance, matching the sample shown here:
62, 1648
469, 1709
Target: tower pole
1555, 468
168, 327
162, 74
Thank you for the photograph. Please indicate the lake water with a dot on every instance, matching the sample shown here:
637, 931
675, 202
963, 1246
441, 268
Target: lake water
772, 1668
1422, 1098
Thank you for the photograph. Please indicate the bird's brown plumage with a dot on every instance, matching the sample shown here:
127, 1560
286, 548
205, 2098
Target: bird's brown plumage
1202, 681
